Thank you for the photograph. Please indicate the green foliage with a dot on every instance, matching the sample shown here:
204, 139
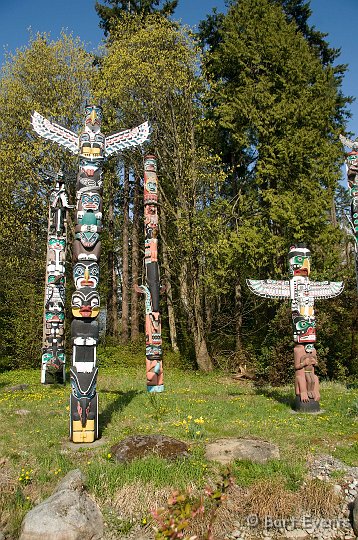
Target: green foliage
51, 77
274, 109
116, 9
246, 135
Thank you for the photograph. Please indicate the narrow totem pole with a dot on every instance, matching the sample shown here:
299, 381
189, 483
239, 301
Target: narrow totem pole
352, 176
92, 147
53, 346
302, 292
151, 288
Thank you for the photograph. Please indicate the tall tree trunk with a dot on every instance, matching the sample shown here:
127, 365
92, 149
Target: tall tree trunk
125, 258
135, 262
168, 285
192, 307
333, 212
112, 301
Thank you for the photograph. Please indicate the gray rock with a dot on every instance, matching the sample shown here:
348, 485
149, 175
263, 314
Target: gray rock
22, 412
69, 514
227, 450
16, 388
139, 446
355, 516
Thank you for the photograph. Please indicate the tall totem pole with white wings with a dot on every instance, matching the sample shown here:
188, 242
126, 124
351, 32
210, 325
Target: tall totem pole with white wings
93, 148
352, 177
302, 292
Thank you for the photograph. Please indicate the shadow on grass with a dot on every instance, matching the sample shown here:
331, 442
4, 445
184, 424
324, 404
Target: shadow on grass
285, 399
117, 405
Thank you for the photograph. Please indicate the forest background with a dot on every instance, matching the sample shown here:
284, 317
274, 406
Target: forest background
245, 117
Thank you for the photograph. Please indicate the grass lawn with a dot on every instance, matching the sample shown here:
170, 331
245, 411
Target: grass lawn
195, 407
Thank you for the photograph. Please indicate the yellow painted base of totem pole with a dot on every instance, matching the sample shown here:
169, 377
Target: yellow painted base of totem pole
83, 434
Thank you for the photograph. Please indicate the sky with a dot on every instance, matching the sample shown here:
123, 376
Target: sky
79, 17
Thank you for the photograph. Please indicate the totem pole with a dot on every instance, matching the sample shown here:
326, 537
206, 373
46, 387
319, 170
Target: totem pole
352, 176
151, 288
92, 147
302, 292
53, 347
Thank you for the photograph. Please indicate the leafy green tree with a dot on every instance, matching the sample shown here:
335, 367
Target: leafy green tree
152, 66
51, 77
110, 13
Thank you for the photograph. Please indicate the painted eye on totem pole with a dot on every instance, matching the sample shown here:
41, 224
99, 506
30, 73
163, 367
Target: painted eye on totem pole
47, 357
303, 325
95, 301
76, 300
78, 271
94, 270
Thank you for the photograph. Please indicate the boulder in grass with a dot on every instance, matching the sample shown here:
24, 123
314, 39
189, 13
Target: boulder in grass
227, 450
69, 514
139, 446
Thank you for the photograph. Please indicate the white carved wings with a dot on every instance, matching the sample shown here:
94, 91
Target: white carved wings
54, 132
269, 288
326, 289
64, 137
124, 139
348, 142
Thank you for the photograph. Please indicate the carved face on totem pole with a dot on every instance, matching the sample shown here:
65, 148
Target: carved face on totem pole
90, 201
299, 258
54, 356
150, 164
302, 306
91, 140
86, 274
150, 187
90, 176
85, 303
352, 165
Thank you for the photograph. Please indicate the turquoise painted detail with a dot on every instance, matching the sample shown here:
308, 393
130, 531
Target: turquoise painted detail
157, 388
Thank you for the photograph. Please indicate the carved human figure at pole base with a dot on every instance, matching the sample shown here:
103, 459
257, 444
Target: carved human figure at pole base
302, 292
93, 148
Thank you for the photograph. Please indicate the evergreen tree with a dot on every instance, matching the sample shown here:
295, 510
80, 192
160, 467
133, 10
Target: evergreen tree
274, 109
115, 9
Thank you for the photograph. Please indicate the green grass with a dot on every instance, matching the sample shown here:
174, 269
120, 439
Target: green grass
195, 407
